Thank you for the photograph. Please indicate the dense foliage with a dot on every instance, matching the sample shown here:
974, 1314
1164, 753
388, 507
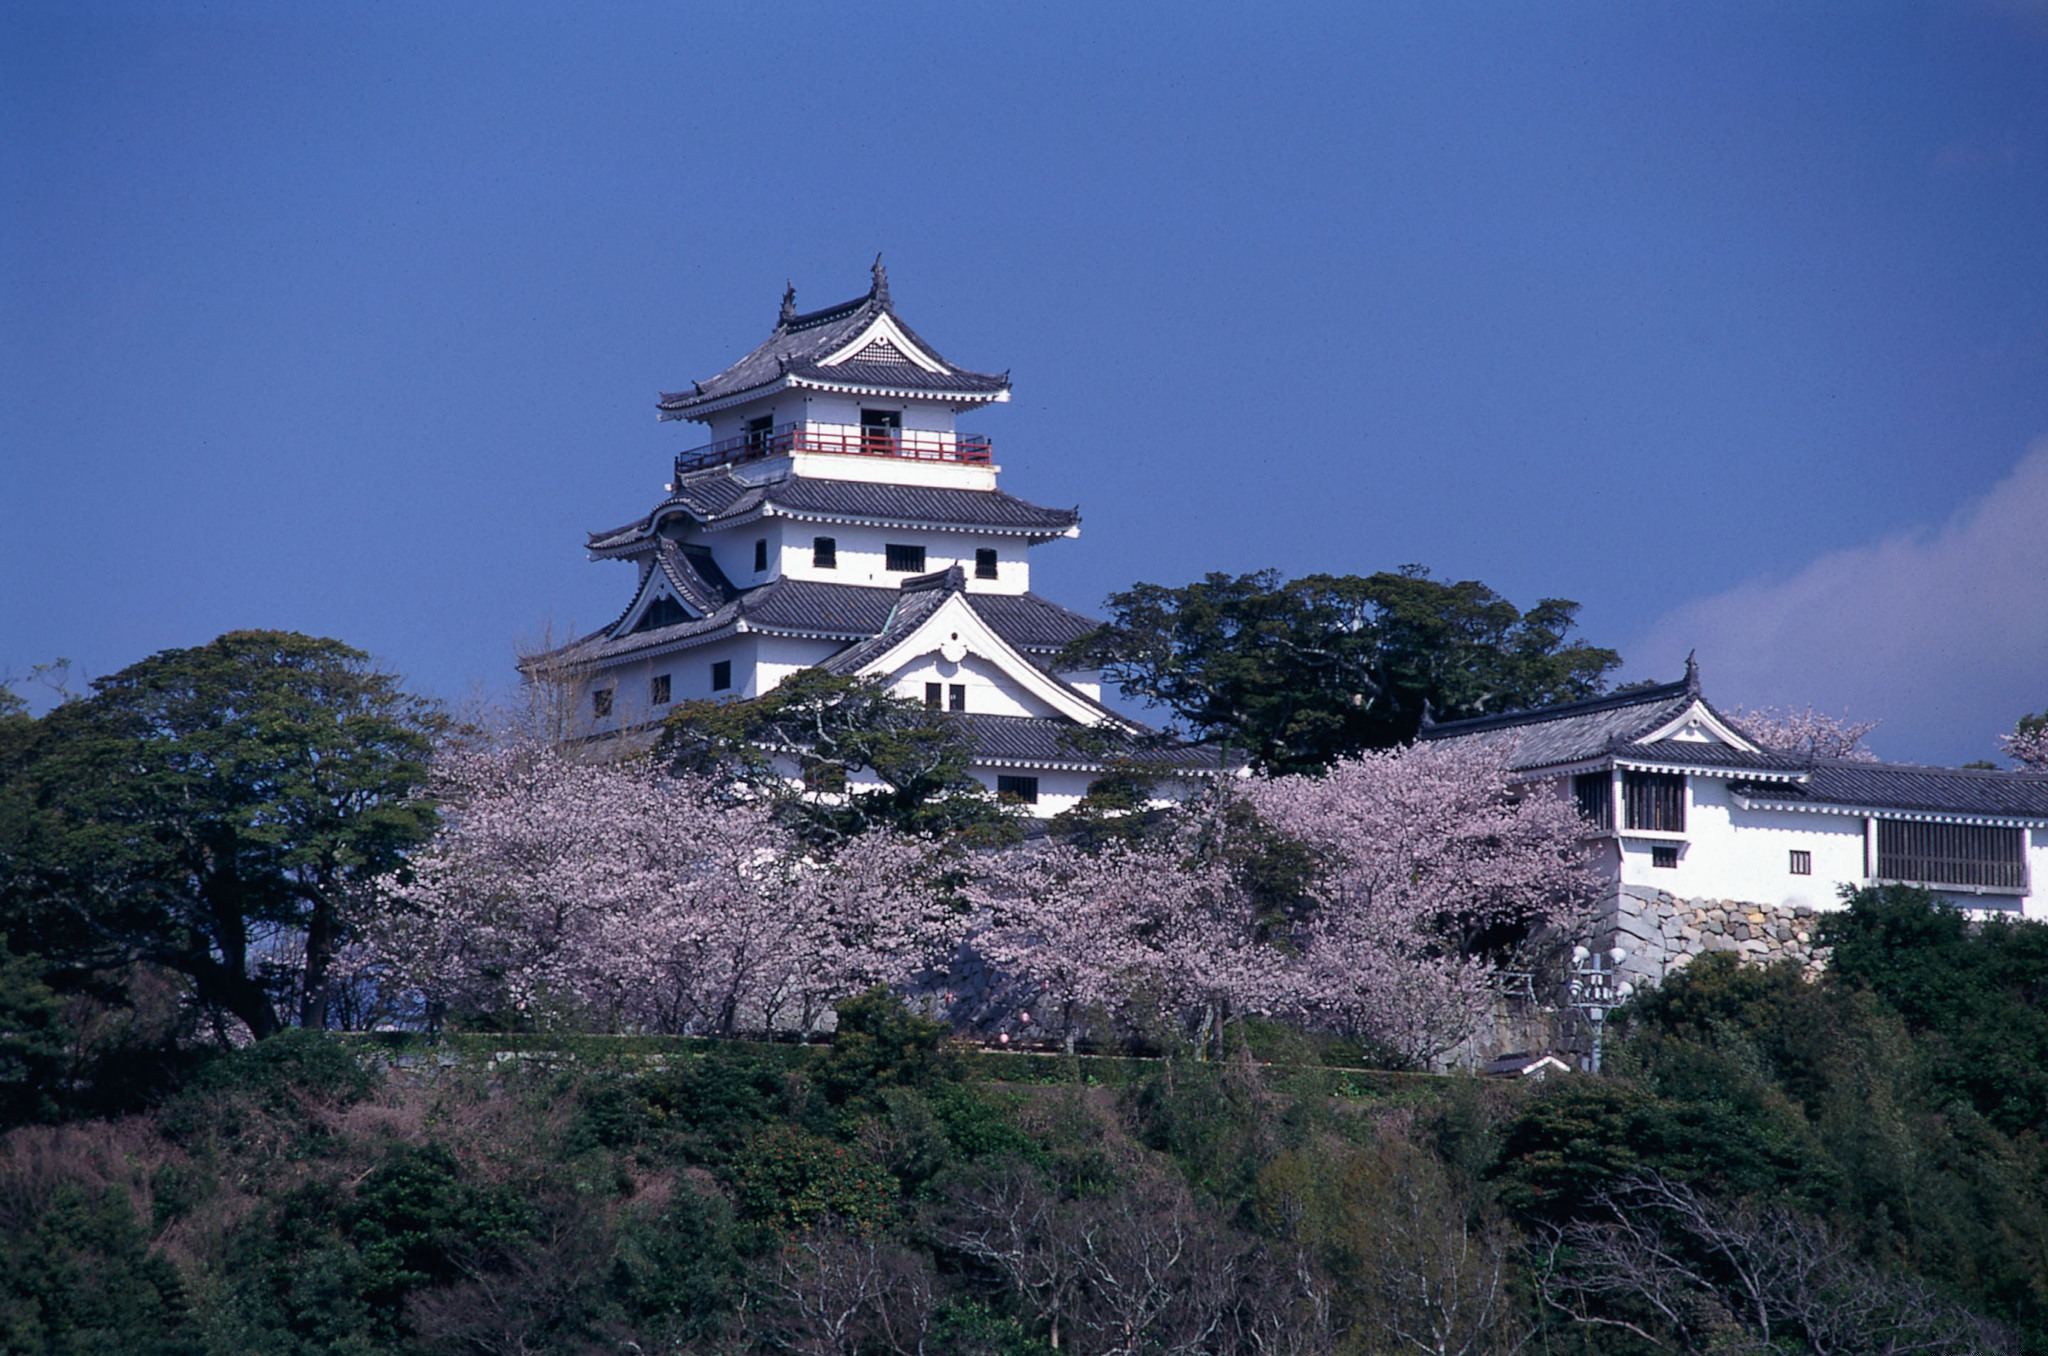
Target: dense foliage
1295, 674
214, 812
1776, 1173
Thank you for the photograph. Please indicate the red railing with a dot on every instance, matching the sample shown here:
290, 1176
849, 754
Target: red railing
846, 440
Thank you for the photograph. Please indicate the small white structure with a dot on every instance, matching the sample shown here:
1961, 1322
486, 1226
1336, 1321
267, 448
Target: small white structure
839, 519
1681, 803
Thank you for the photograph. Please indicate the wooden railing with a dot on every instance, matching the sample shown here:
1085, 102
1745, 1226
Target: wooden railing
842, 439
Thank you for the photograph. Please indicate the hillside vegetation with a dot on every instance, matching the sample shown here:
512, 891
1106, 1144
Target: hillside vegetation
1845, 1166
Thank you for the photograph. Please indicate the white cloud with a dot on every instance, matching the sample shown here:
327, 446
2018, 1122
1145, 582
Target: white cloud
1941, 634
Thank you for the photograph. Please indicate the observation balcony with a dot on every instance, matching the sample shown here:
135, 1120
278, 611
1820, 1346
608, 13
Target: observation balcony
851, 440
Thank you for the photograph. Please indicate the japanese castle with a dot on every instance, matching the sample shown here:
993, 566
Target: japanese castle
838, 519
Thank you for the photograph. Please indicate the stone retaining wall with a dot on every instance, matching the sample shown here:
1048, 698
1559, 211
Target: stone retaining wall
1662, 933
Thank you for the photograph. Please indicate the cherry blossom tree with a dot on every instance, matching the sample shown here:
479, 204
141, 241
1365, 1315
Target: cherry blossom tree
1806, 732
1431, 857
617, 896
2027, 745
1139, 932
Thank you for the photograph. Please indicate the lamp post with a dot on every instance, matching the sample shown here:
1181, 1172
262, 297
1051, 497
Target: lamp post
1594, 992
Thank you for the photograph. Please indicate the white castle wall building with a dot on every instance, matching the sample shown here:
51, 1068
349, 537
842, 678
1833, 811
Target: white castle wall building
1712, 842
838, 518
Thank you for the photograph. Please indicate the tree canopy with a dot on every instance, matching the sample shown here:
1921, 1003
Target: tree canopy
862, 758
213, 811
1298, 673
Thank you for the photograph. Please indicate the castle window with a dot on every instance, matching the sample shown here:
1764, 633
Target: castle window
959, 695
1952, 854
758, 433
904, 559
824, 553
658, 690
934, 695
1594, 792
760, 556
985, 563
880, 430
1018, 788
601, 703
1664, 855
1802, 863
721, 676
1655, 801
663, 611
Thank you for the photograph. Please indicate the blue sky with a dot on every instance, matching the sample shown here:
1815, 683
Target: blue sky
1729, 321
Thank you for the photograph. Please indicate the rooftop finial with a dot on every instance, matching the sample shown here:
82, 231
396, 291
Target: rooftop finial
1428, 715
881, 292
1692, 674
789, 303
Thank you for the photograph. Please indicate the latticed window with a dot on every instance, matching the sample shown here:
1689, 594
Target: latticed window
824, 553
904, 559
601, 703
985, 563
1952, 854
1655, 801
1018, 788
659, 690
1594, 792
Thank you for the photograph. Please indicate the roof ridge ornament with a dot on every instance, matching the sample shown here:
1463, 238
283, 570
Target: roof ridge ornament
788, 305
1692, 673
1428, 714
879, 294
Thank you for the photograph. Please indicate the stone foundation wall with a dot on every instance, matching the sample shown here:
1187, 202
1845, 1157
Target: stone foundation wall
1662, 933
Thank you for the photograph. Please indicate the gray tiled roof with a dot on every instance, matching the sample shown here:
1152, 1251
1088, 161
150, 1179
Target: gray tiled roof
696, 577
1572, 732
1042, 739
799, 341
1030, 622
909, 613
1697, 753
1908, 787
716, 496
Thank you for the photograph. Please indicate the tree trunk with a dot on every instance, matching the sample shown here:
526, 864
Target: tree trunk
320, 941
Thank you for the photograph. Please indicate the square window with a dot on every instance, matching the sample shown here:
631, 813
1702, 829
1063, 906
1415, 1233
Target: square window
1802, 863
904, 559
934, 695
1018, 788
959, 695
985, 563
659, 689
721, 676
760, 556
601, 703
1664, 855
824, 553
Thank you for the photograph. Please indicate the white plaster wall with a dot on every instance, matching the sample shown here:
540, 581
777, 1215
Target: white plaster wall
990, 691
1058, 791
863, 558
1728, 852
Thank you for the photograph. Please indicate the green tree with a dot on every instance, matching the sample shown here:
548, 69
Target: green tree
1298, 673
841, 755
216, 811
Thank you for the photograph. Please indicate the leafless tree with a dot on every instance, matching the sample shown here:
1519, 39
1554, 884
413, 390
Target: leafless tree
1011, 1224
1688, 1273
832, 1294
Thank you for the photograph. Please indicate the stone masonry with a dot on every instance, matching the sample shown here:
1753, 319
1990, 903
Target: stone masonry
1662, 933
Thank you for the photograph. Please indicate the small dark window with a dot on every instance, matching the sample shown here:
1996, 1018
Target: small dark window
1802, 863
1018, 788
985, 563
827, 777
721, 676
758, 433
934, 695
824, 553
601, 703
760, 556
880, 430
659, 689
1664, 855
904, 559
1594, 792
959, 695
1655, 801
